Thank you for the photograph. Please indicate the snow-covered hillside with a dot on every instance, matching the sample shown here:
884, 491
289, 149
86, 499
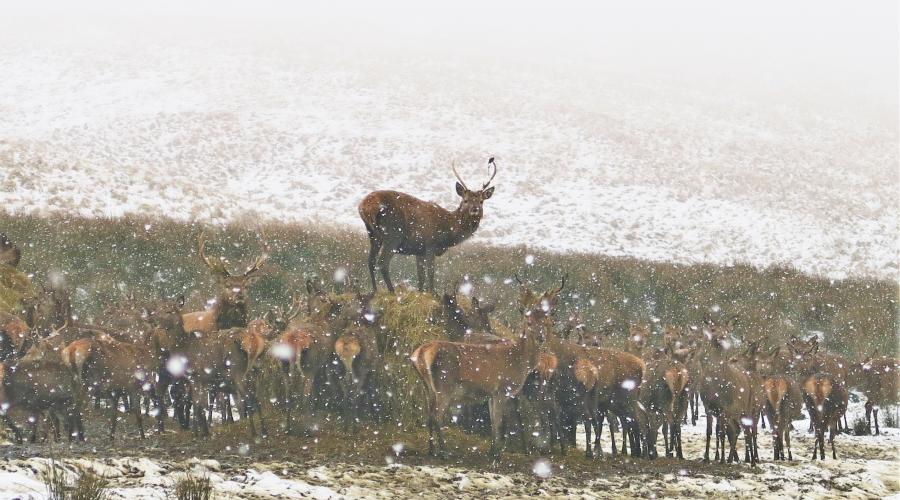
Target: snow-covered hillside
592, 158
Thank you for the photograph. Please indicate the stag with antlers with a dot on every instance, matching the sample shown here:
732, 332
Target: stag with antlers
398, 223
230, 307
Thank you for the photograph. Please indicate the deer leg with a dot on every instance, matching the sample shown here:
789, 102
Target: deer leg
875, 412
709, 431
831, 437
374, 247
384, 263
138, 416
113, 415
787, 444
420, 271
666, 440
611, 423
678, 452
495, 408
429, 270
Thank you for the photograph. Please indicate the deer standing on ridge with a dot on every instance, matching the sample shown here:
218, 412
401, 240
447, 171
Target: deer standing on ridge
398, 223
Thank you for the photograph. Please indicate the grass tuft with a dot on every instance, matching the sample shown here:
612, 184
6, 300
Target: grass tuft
193, 487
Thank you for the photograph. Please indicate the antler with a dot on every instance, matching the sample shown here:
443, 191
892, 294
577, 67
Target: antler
562, 285
261, 259
216, 267
453, 167
294, 310
494, 174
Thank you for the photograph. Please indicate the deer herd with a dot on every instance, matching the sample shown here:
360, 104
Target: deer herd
552, 372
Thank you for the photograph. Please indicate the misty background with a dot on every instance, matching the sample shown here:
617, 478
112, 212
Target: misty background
689, 132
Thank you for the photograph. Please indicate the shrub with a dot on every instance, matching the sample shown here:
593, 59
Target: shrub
86, 485
859, 427
193, 487
889, 416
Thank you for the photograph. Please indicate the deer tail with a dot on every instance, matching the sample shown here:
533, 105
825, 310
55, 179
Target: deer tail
676, 379
586, 373
423, 359
347, 349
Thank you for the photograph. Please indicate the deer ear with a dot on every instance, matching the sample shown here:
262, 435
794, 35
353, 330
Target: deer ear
460, 190
487, 193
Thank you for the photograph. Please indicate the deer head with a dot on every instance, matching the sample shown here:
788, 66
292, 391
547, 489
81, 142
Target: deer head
9, 252
232, 297
543, 305
49, 308
166, 319
473, 200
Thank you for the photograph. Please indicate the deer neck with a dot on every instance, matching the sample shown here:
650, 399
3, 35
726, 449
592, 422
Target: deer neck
231, 315
463, 225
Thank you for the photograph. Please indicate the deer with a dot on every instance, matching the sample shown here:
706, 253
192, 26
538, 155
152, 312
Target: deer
878, 378
37, 387
306, 348
462, 326
10, 255
813, 359
679, 345
229, 309
398, 223
14, 336
726, 392
638, 339
358, 359
48, 309
662, 399
782, 398
112, 369
222, 360
465, 372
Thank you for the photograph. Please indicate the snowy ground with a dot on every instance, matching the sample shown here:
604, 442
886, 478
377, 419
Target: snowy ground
593, 158
867, 468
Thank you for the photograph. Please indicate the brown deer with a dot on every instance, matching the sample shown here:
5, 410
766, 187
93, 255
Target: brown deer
48, 309
638, 339
726, 392
10, 255
305, 349
107, 368
398, 223
14, 336
453, 371
783, 401
222, 360
230, 307
826, 400
356, 351
811, 359
878, 378
661, 400
39, 387
463, 326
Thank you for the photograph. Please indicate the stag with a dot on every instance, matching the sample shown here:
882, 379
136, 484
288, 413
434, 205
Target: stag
453, 371
398, 223
229, 309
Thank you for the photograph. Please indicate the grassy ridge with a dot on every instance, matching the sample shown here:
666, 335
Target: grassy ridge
102, 260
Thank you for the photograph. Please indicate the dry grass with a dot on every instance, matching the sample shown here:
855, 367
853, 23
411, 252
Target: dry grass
105, 259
